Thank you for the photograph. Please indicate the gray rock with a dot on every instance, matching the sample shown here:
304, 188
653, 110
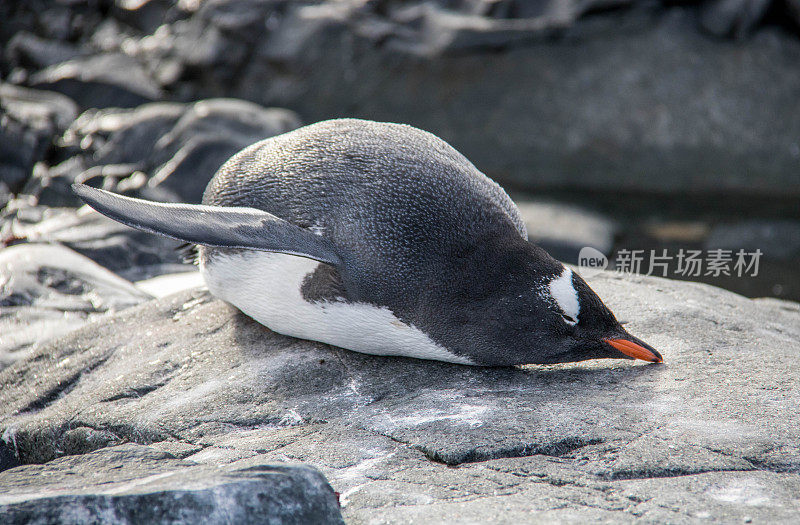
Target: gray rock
443, 31
178, 146
100, 81
793, 9
191, 52
163, 151
570, 102
145, 15
777, 239
5, 194
51, 186
710, 434
138, 484
29, 122
46, 291
789, 306
130, 253
427, 29
244, 19
735, 18
171, 283
66, 20
110, 36
209, 133
125, 136
33, 52
635, 102
61, 21
563, 230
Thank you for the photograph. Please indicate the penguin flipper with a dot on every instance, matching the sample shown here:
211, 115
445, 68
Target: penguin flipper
222, 226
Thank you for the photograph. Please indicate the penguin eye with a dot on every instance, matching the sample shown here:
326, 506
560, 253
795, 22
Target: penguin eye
568, 318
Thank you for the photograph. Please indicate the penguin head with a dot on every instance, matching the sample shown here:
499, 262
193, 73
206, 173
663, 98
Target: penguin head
581, 326
528, 308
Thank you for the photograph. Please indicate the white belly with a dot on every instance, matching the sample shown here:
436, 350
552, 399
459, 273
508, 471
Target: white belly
267, 287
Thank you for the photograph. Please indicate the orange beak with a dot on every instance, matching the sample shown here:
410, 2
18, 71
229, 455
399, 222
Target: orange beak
635, 350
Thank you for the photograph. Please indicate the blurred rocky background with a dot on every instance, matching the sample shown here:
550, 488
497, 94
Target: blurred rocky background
619, 124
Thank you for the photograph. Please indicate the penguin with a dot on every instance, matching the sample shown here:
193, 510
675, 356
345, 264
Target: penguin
382, 239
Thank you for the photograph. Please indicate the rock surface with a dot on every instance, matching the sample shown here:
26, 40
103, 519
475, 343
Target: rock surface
138, 484
48, 290
735, 18
709, 434
30, 120
103, 80
130, 253
651, 106
167, 151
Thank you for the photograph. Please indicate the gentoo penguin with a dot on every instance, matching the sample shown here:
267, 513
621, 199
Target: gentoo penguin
383, 239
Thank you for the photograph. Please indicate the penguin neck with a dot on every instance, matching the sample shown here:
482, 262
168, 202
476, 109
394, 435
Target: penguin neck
506, 261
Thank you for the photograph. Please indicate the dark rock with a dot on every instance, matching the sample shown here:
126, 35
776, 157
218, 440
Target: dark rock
34, 14
736, 18
180, 146
130, 253
776, 239
7, 459
209, 133
119, 136
245, 19
29, 122
793, 10
5, 193
198, 155
100, 81
543, 95
425, 29
444, 31
50, 186
647, 106
33, 52
145, 15
60, 20
710, 433
46, 291
191, 52
138, 484
164, 151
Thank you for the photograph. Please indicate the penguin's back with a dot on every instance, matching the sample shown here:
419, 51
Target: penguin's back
394, 200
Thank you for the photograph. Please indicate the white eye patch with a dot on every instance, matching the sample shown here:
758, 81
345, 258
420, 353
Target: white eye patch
565, 296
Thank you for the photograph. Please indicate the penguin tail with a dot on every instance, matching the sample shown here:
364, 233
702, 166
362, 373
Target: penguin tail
188, 253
